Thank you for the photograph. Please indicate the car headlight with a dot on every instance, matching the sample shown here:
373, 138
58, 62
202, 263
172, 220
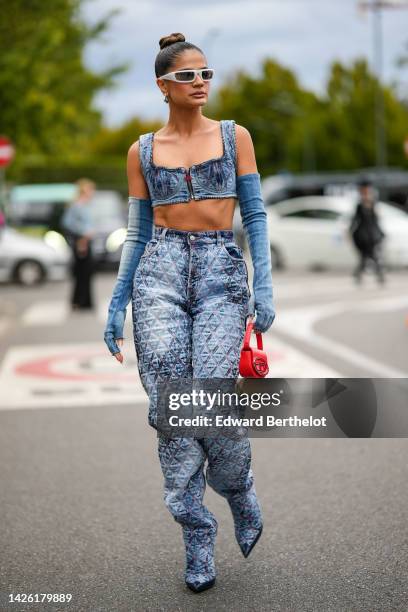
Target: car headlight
116, 239
56, 241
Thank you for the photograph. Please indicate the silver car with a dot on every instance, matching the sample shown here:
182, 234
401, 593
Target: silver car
30, 261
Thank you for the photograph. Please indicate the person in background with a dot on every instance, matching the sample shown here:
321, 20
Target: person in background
366, 232
77, 224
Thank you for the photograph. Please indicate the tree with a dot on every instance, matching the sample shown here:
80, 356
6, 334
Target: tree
294, 129
46, 92
272, 107
346, 132
115, 142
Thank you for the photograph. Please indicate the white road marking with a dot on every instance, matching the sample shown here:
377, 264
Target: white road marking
287, 362
57, 376
305, 288
57, 313
45, 313
299, 324
385, 304
53, 375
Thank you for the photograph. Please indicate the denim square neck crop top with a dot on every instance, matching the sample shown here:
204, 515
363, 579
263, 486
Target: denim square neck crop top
214, 178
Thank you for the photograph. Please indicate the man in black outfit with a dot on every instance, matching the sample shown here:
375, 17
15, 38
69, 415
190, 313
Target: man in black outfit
366, 232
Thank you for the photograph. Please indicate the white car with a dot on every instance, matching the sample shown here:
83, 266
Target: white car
312, 231
29, 261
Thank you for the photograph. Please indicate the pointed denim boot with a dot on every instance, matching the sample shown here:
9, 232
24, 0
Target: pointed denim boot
247, 519
200, 565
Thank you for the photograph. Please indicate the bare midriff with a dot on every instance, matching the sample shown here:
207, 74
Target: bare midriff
196, 215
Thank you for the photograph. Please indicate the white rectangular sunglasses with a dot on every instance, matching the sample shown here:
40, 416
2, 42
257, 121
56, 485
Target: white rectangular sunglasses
188, 76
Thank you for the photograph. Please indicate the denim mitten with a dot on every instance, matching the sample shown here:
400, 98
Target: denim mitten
139, 232
254, 220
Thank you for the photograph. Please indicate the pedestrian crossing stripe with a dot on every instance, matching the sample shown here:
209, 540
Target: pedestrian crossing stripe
56, 312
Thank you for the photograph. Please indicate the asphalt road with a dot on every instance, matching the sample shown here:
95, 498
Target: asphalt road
81, 503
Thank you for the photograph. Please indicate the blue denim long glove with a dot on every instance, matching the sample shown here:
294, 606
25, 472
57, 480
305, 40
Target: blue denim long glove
254, 220
139, 232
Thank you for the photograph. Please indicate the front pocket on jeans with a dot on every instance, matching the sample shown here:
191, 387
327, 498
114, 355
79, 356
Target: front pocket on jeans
150, 247
233, 251
235, 273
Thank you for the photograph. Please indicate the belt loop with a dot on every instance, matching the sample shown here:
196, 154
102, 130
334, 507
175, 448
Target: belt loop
219, 238
163, 233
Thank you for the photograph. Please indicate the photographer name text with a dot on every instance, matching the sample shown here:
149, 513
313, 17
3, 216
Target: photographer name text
259, 421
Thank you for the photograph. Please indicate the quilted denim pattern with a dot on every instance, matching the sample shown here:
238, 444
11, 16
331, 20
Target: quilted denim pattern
213, 178
189, 304
230, 474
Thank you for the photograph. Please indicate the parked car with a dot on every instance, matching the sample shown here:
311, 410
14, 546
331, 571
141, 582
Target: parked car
312, 231
38, 206
109, 216
29, 261
37, 209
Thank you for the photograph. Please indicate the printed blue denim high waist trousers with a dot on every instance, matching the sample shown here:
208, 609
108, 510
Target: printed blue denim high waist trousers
189, 304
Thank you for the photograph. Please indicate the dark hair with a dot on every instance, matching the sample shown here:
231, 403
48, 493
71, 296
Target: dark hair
170, 48
365, 182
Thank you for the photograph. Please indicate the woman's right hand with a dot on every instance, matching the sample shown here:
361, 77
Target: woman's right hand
119, 356
113, 334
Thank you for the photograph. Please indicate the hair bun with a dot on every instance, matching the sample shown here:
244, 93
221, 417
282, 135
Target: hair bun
166, 41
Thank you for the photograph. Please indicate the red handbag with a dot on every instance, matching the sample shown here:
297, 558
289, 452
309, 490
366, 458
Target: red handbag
253, 362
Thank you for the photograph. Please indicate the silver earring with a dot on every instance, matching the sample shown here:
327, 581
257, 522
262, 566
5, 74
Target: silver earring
166, 98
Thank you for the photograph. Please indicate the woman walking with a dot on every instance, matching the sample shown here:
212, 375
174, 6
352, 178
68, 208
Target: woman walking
188, 282
77, 223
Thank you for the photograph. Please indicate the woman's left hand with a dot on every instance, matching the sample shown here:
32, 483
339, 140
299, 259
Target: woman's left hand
82, 246
265, 316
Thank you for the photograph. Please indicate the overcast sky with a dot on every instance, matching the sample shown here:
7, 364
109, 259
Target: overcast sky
304, 35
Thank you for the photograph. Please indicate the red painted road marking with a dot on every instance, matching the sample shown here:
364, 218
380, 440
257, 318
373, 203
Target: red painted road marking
43, 368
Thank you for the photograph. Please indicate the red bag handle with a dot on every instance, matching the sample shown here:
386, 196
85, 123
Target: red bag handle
248, 335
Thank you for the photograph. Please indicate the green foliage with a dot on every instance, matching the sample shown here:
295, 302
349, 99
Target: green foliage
46, 101
116, 142
46, 92
346, 133
270, 107
294, 129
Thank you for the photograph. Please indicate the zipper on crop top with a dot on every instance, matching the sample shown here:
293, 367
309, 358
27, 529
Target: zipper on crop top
187, 178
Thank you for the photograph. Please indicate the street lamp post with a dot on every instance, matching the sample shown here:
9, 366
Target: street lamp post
380, 125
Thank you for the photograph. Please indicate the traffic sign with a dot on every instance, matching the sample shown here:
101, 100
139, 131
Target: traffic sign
7, 151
